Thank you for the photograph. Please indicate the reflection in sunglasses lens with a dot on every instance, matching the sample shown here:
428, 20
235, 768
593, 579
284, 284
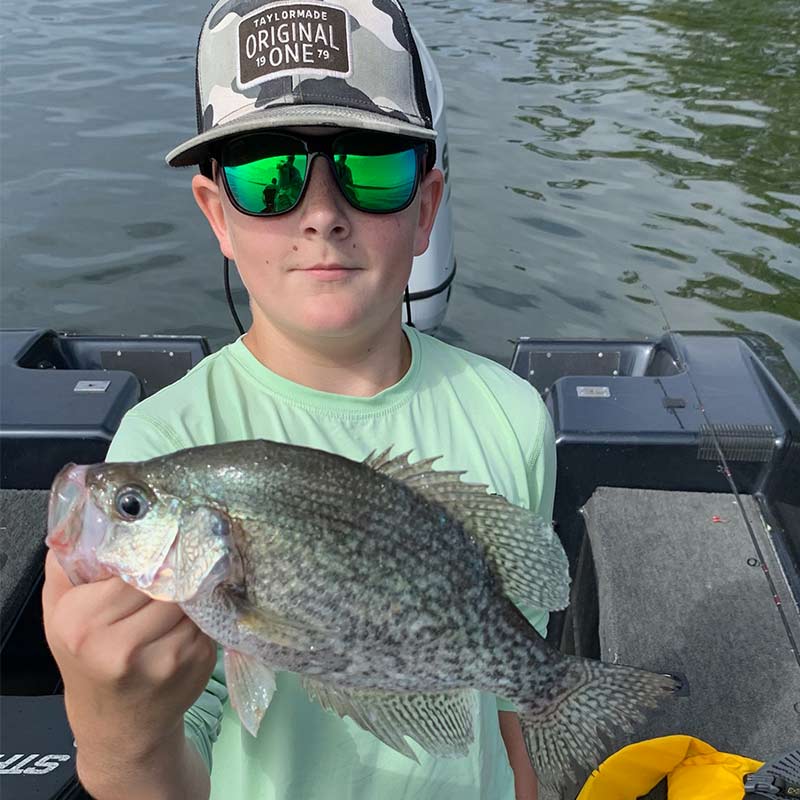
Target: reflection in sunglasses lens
265, 176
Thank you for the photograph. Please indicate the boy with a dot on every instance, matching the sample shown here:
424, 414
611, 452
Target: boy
326, 363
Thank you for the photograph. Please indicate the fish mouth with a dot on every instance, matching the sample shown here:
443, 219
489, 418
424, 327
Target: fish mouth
65, 509
75, 527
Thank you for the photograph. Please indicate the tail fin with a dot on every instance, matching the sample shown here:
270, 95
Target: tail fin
569, 722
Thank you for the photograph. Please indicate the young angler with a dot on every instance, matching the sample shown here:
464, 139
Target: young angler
287, 93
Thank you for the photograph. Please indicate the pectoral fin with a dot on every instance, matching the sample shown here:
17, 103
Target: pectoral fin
442, 723
251, 685
272, 626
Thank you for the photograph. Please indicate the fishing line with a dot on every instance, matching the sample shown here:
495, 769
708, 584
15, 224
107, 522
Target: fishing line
725, 470
226, 269
407, 300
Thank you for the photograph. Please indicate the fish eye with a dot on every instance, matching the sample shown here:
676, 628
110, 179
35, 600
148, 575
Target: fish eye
130, 503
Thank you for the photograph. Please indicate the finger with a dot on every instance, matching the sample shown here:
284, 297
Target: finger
56, 582
120, 645
149, 623
102, 603
183, 644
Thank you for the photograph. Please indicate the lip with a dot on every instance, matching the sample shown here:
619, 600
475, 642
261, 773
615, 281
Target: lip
65, 510
328, 272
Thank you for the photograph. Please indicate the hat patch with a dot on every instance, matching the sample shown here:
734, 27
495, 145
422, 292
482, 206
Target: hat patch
294, 38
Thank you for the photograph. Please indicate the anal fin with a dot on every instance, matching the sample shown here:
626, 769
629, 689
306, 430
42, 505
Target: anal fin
442, 723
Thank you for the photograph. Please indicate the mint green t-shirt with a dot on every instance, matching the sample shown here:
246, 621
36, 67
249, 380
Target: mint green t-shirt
479, 417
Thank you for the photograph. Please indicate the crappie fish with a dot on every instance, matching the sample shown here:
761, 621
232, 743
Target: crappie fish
384, 584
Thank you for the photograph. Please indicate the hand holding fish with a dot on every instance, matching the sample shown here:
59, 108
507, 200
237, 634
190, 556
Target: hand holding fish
131, 667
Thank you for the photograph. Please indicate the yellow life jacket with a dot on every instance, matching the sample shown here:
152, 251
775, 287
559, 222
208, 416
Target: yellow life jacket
693, 768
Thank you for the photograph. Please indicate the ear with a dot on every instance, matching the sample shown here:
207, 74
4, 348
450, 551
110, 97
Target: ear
430, 191
208, 196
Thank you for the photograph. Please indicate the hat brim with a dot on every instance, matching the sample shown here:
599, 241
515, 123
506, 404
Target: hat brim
196, 149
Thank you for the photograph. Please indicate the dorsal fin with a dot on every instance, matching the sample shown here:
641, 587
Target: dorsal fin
525, 552
399, 467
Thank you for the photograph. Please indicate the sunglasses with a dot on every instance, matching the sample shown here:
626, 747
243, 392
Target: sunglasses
266, 173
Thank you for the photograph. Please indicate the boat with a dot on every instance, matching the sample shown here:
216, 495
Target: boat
678, 503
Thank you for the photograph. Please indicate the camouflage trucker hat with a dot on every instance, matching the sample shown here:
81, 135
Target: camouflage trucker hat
349, 63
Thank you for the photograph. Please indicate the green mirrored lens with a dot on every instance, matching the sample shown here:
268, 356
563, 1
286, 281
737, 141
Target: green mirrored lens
375, 181
265, 175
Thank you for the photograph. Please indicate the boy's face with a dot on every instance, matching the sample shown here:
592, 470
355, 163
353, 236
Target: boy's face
323, 269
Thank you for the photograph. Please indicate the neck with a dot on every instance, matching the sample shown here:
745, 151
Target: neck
357, 365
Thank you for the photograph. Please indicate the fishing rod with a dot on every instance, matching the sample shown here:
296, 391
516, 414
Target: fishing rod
725, 470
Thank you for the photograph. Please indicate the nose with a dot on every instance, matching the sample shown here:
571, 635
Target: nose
324, 208
66, 502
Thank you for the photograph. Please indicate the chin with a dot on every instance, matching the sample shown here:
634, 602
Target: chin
334, 317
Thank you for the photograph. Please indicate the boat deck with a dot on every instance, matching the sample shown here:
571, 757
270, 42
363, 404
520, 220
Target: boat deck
681, 589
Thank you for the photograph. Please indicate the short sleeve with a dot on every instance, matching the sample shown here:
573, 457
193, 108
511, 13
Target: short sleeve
542, 467
140, 437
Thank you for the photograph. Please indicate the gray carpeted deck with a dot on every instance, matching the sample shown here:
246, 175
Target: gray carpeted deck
680, 592
23, 526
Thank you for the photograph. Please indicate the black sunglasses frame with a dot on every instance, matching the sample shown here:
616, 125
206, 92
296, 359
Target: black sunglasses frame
324, 146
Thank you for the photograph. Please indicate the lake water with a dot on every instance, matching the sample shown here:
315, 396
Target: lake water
610, 161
